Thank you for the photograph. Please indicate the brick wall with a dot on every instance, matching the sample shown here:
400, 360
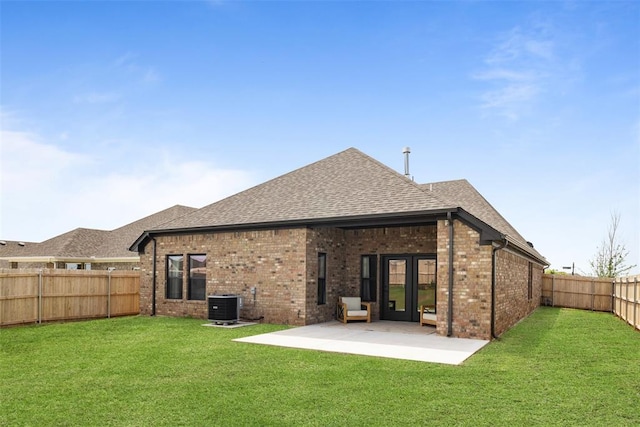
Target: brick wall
471, 282
344, 249
272, 261
384, 241
512, 289
282, 265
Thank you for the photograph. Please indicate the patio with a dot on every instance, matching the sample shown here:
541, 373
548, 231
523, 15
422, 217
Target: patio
397, 340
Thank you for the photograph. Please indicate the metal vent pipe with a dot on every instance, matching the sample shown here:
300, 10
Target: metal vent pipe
406, 151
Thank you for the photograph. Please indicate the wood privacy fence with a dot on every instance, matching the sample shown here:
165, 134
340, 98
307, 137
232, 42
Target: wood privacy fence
587, 293
626, 296
35, 296
620, 296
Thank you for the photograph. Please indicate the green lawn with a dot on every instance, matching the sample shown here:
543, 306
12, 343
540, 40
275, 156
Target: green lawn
558, 367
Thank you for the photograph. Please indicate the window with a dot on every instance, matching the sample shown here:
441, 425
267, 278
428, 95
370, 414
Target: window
197, 277
174, 276
530, 282
368, 277
322, 278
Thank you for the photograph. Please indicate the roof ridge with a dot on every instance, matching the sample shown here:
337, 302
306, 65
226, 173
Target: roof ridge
399, 175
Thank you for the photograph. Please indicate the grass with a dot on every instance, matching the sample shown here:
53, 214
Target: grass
557, 367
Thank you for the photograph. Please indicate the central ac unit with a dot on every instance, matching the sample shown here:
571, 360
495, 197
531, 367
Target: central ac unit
224, 309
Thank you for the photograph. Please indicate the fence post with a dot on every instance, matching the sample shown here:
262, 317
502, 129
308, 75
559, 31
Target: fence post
613, 296
109, 295
40, 296
553, 290
626, 299
635, 302
593, 293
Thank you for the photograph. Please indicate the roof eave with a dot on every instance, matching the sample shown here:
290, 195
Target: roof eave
387, 219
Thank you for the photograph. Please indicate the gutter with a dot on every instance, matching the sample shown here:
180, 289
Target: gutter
375, 220
450, 301
493, 285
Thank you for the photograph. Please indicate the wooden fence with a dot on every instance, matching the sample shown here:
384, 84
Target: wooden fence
587, 293
627, 300
35, 296
620, 296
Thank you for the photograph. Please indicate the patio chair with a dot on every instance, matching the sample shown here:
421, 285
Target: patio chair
352, 308
428, 315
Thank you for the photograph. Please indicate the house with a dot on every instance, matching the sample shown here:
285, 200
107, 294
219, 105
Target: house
85, 248
346, 225
12, 248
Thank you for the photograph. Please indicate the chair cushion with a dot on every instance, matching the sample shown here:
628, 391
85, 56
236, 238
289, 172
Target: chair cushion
353, 303
354, 313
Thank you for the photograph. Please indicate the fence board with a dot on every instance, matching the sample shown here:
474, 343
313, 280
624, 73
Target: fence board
627, 299
29, 296
587, 293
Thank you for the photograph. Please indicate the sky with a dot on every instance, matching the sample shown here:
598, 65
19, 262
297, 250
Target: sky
112, 111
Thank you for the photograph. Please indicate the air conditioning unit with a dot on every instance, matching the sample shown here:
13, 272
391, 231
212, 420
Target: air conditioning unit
224, 309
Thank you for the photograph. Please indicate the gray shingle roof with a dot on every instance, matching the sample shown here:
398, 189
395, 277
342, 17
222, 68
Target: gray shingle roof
11, 247
86, 242
118, 241
462, 194
347, 184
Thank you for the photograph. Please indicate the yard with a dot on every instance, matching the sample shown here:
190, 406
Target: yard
558, 367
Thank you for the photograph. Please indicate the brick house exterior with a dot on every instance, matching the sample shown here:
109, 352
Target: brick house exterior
264, 244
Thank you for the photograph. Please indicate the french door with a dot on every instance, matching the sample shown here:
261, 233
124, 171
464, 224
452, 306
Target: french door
408, 281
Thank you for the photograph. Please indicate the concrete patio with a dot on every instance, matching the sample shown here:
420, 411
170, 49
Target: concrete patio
397, 340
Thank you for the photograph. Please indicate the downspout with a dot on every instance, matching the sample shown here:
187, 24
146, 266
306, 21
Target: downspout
153, 280
450, 302
493, 286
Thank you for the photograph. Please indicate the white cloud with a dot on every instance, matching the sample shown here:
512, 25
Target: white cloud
47, 190
517, 70
28, 164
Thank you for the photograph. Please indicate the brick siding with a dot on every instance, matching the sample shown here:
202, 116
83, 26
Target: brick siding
512, 288
283, 267
471, 282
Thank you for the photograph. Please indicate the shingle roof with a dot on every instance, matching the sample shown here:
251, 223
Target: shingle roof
462, 194
87, 242
347, 184
81, 242
118, 241
10, 247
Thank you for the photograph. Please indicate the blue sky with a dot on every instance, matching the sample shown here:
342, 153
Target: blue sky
111, 111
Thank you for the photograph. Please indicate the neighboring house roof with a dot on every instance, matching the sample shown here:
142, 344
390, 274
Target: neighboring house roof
347, 185
88, 244
118, 241
8, 247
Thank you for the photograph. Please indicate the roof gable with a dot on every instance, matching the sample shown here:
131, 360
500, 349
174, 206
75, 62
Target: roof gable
347, 184
464, 195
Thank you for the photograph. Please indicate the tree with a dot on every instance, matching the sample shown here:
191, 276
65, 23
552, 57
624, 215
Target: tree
611, 257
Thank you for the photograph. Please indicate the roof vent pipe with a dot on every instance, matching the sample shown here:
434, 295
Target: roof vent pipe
406, 151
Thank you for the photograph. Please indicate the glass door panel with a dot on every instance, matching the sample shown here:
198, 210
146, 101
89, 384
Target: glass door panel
397, 284
396, 288
426, 283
